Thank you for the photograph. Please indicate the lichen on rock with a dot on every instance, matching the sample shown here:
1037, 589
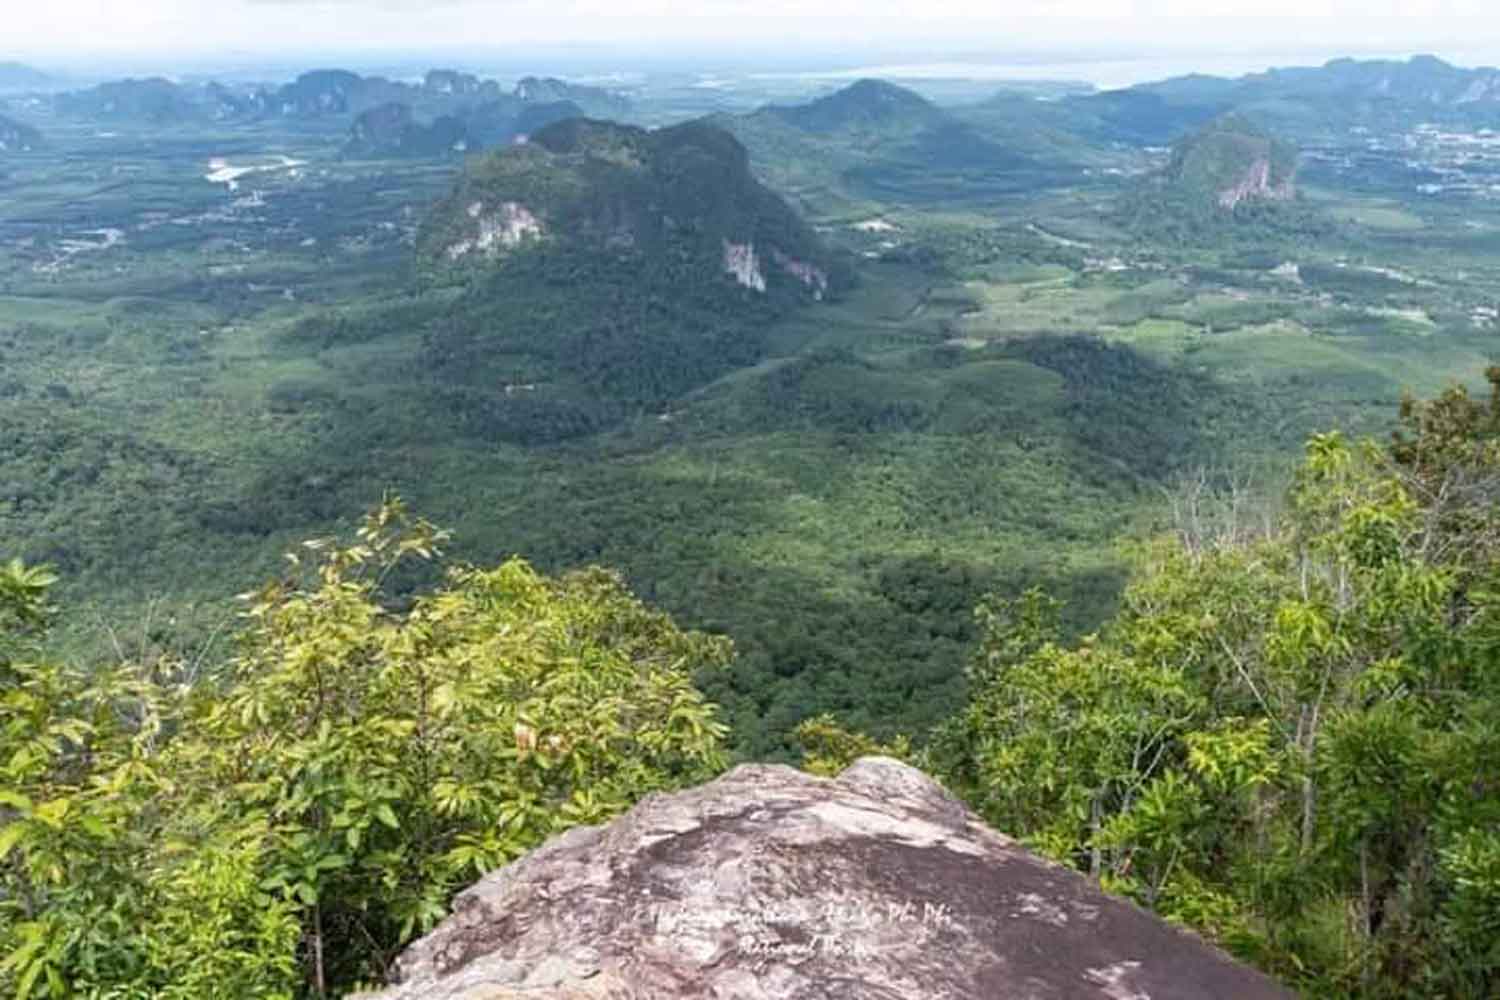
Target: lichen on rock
772, 884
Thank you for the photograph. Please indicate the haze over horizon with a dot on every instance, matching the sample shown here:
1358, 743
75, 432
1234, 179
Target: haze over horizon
1108, 42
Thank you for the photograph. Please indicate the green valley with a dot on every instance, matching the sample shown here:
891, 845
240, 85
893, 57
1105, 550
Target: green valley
995, 392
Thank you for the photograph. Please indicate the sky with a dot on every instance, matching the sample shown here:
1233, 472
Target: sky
1186, 34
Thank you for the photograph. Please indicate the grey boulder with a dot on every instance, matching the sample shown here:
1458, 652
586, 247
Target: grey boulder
772, 884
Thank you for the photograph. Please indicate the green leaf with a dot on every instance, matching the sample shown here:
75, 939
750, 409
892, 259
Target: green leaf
10, 835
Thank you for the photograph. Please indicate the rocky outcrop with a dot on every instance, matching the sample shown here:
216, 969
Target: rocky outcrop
770, 883
1256, 183
505, 227
742, 264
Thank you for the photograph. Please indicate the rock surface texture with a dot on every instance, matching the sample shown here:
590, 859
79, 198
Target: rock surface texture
1256, 183
770, 883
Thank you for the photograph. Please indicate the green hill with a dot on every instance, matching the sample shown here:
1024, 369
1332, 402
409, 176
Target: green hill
653, 261
1231, 160
681, 197
875, 140
1227, 184
866, 104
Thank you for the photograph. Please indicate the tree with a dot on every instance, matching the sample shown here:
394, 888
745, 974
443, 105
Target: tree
1287, 739
286, 827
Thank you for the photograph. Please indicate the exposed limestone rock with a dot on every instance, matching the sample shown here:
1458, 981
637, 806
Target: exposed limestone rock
503, 229
743, 265
1256, 183
771, 884
811, 276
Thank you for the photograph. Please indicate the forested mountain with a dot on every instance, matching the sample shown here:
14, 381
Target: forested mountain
1313, 101
1306, 100
683, 193
154, 100
1229, 182
1229, 161
872, 105
495, 112
874, 139
659, 256
392, 130
326, 91
1422, 81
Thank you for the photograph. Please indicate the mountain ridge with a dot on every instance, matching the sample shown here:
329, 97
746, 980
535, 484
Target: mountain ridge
865, 103
1420, 81
336, 93
876, 139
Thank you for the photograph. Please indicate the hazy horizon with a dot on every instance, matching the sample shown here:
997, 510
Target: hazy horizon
1103, 70
1103, 42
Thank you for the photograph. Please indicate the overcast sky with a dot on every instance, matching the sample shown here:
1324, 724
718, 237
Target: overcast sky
70, 32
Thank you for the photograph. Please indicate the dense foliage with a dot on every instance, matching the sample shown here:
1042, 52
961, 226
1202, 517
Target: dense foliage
280, 826
1289, 738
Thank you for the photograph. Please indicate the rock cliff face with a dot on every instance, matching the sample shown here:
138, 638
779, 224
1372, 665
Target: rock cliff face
1257, 183
770, 883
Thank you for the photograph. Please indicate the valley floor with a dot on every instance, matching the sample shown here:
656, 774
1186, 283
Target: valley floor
199, 371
